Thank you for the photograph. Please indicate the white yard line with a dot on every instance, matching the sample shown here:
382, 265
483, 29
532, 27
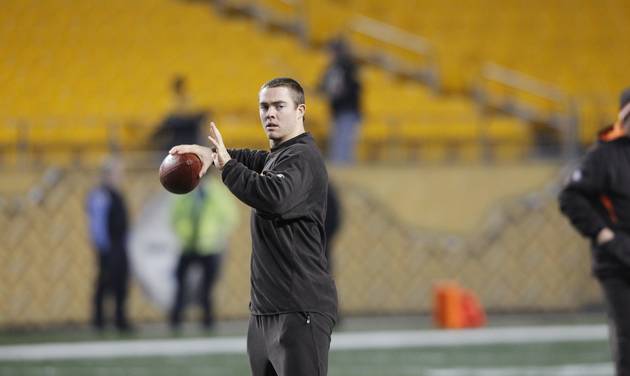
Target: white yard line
340, 341
597, 369
487, 336
123, 349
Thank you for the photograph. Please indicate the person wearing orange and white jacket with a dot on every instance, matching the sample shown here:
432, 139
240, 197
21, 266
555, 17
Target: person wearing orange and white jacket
596, 199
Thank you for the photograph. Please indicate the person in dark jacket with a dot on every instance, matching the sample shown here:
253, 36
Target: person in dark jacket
293, 296
341, 86
182, 125
332, 223
596, 200
109, 226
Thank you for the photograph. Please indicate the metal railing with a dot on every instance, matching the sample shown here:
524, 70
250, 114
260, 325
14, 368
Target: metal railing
532, 100
422, 67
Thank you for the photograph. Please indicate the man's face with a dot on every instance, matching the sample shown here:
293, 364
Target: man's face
281, 118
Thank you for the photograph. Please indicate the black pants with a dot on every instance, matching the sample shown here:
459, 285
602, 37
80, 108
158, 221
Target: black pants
289, 344
112, 278
210, 270
617, 293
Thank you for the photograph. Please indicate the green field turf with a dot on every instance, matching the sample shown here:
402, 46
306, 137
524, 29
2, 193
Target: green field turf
588, 358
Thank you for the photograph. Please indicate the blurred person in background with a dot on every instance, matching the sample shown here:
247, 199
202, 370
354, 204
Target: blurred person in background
109, 226
597, 201
182, 102
332, 222
340, 85
183, 123
203, 221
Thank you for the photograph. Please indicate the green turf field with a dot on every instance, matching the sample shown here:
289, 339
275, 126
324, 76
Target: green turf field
525, 356
589, 358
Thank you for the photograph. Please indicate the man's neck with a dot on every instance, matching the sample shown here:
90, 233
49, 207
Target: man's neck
276, 143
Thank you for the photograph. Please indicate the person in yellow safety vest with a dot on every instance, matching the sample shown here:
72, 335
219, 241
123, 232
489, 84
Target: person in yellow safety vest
203, 221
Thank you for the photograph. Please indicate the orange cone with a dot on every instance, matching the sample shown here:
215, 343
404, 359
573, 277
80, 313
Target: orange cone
447, 312
455, 307
474, 315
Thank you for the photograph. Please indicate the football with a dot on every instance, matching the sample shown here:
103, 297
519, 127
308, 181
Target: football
179, 173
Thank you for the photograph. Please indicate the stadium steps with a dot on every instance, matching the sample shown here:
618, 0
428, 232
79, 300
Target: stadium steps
576, 46
92, 68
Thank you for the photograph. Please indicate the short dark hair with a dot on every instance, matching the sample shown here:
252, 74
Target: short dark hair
296, 89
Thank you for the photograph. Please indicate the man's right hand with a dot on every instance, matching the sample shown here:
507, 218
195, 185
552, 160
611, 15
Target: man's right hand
604, 236
206, 155
221, 155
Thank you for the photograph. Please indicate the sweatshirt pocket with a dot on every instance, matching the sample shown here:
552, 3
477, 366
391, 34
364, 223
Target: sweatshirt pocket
618, 248
621, 248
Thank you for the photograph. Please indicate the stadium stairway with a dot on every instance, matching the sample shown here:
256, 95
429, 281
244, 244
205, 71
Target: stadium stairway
88, 76
577, 47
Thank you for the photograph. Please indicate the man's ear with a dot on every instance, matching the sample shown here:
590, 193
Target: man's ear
301, 109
